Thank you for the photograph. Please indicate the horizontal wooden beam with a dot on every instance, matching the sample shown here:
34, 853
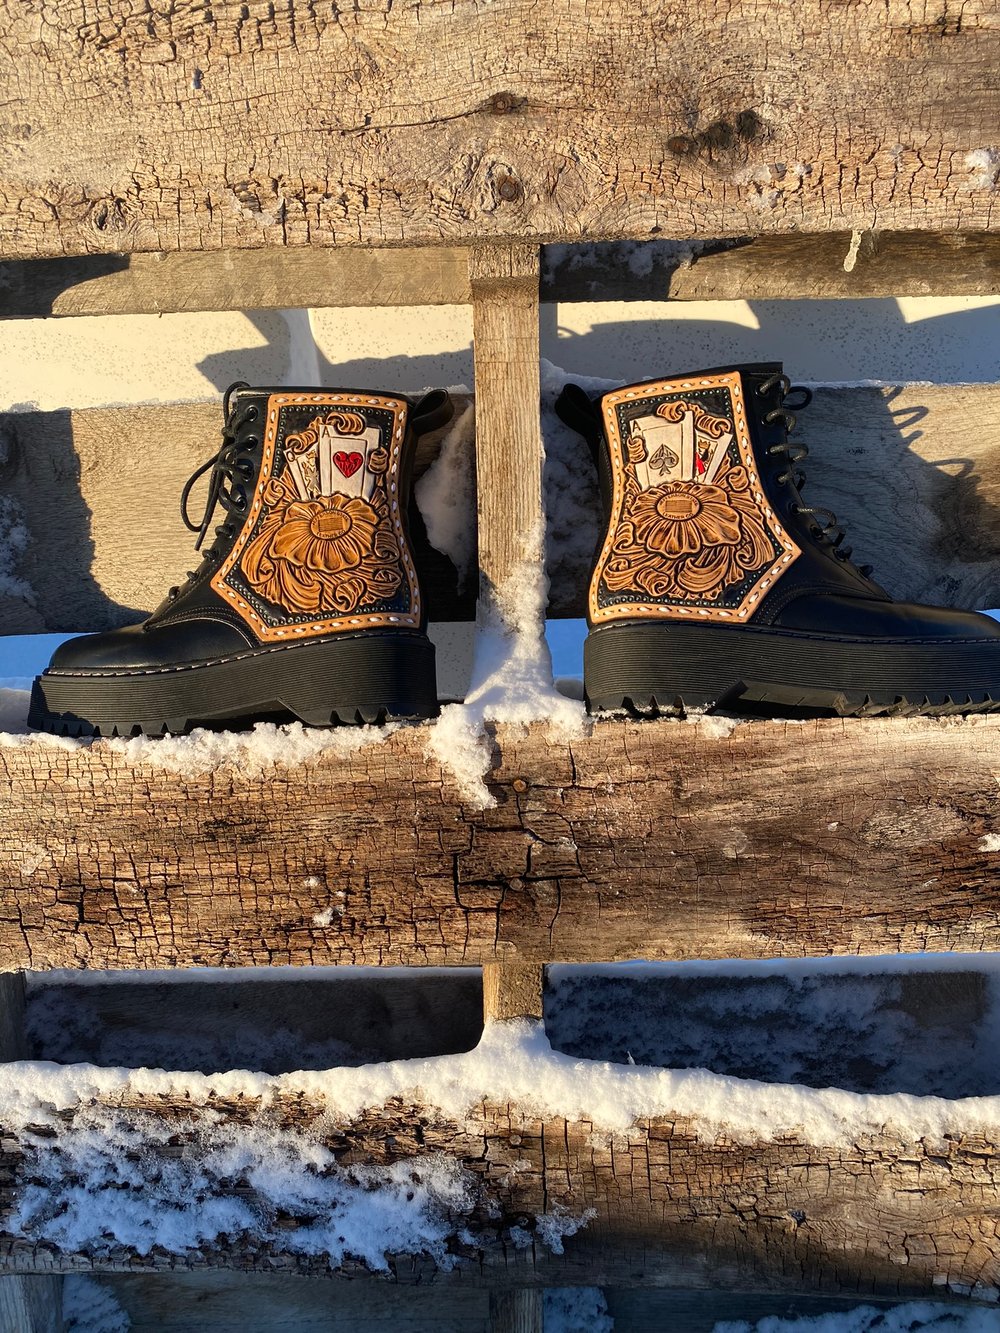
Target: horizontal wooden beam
913, 472
808, 266
259, 128
669, 1202
217, 1301
656, 840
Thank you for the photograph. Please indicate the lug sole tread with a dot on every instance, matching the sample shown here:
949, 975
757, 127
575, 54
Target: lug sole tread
838, 703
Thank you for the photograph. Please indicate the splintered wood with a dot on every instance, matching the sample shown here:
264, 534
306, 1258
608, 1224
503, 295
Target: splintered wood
250, 124
655, 840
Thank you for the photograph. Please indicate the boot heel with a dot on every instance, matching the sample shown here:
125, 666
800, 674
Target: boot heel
635, 668
370, 678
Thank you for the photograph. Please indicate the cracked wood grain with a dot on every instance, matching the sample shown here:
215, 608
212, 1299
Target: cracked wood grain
246, 125
670, 1203
659, 840
913, 472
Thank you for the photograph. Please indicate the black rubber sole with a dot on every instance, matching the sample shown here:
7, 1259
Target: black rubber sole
361, 678
651, 670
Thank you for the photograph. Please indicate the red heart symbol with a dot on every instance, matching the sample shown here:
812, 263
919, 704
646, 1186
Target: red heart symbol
348, 463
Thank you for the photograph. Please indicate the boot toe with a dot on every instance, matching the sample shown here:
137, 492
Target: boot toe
138, 648
857, 617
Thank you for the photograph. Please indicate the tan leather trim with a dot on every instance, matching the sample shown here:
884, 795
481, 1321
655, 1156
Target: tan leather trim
332, 624
660, 610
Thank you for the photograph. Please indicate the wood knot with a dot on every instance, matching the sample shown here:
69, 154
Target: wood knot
503, 104
721, 137
510, 189
109, 215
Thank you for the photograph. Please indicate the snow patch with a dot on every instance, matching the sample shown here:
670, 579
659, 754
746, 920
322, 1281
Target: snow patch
253, 753
446, 496
14, 539
95, 1192
576, 1310
984, 164
511, 681
718, 727
15, 696
851, 258
515, 1062
990, 842
90, 1307
912, 1317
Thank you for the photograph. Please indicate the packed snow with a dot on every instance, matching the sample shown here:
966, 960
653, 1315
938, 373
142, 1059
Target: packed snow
89, 1306
910, 1317
446, 496
511, 681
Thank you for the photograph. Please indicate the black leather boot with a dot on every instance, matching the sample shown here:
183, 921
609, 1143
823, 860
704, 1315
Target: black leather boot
717, 585
305, 604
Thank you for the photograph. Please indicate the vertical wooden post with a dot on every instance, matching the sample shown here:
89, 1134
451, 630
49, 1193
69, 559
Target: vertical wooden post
512, 990
516, 1311
27, 1304
504, 281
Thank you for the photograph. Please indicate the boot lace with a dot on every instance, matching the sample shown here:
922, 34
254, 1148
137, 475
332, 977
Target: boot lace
823, 525
231, 469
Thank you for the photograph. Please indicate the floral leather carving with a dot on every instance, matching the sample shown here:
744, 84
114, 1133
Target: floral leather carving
692, 533
323, 547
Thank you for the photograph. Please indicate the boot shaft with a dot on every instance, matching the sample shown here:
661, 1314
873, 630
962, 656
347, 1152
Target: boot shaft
315, 541
703, 515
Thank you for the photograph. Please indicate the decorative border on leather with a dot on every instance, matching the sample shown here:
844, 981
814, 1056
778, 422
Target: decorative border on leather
327, 624
624, 477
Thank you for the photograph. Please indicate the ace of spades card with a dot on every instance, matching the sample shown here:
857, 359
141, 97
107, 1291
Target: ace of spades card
682, 444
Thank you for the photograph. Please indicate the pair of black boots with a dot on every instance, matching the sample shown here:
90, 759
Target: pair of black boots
714, 584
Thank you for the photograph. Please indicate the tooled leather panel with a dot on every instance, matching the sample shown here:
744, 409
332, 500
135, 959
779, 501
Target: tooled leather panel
324, 546
692, 533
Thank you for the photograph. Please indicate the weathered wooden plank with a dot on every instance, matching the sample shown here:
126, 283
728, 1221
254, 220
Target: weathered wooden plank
216, 1301
914, 472
658, 840
31, 1304
812, 265
261, 126
508, 433
13, 1042
643, 1311
670, 1202
234, 280
510, 538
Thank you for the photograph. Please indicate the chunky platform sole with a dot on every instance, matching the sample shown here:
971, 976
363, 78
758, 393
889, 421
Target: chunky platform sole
351, 679
668, 669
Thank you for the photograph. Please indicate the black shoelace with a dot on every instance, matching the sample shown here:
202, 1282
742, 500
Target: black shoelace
824, 525
231, 469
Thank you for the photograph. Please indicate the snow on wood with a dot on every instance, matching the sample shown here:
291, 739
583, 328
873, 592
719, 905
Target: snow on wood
509, 1155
